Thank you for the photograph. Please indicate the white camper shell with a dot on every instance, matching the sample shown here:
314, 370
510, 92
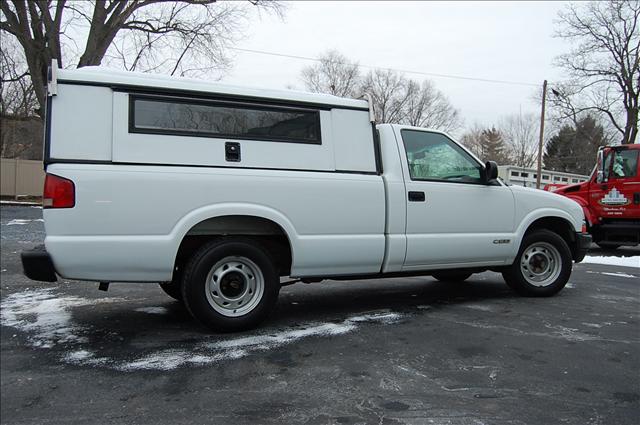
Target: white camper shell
200, 122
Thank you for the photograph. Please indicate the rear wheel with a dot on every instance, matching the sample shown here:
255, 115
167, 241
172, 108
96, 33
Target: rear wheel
230, 285
452, 276
542, 266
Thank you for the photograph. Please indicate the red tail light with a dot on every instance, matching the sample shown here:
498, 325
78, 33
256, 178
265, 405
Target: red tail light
58, 192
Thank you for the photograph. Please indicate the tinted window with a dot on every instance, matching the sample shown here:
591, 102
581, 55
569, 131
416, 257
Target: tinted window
221, 119
515, 173
433, 156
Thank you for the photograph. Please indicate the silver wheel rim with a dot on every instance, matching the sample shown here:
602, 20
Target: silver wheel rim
540, 264
234, 286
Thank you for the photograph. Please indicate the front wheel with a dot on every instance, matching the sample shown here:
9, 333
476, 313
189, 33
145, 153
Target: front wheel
542, 266
230, 285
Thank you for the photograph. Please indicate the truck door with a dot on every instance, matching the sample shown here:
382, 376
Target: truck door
453, 218
618, 196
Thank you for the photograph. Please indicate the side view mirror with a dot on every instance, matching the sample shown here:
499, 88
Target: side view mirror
599, 176
490, 171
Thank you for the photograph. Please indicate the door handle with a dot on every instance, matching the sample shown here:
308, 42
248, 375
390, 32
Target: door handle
416, 196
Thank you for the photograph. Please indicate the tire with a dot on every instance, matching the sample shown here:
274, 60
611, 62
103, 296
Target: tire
542, 266
230, 285
172, 289
452, 276
608, 246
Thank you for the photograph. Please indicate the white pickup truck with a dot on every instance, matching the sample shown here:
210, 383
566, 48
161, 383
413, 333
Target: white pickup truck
217, 191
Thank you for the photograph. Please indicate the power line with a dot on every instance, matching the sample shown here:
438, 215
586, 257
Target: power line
407, 71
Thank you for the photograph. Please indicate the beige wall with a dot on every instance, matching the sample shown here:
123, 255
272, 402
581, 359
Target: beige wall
21, 177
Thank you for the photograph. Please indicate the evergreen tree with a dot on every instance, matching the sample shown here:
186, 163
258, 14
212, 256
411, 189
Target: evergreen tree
573, 149
493, 146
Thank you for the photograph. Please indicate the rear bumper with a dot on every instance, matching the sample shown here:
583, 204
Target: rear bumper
37, 265
583, 242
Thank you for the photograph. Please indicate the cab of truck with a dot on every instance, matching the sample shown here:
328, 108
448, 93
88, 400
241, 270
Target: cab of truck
611, 197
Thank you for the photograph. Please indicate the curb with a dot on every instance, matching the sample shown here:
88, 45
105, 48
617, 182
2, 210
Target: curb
20, 203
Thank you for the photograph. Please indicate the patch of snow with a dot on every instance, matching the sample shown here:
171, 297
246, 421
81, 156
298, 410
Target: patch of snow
236, 348
44, 316
571, 334
152, 310
481, 307
618, 274
613, 261
596, 325
22, 221
84, 357
612, 274
171, 359
570, 285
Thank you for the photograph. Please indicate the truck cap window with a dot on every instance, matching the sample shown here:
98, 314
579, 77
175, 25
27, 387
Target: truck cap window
433, 156
223, 119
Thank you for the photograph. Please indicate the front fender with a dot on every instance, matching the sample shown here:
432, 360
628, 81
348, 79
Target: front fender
530, 218
588, 215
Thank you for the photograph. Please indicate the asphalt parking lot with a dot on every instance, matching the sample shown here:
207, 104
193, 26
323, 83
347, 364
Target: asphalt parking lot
401, 351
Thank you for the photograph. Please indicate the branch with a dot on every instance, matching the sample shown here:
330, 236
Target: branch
15, 79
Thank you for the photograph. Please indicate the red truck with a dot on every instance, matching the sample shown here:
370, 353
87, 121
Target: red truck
611, 197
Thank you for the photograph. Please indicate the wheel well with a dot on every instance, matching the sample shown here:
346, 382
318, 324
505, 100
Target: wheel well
265, 232
558, 225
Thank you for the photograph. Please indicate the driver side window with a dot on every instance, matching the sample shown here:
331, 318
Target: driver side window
433, 156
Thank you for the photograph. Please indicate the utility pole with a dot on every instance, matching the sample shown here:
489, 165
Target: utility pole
541, 145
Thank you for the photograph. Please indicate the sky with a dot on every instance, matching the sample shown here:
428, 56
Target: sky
510, 41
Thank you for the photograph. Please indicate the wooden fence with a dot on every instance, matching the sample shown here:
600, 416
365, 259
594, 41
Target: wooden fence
21, 177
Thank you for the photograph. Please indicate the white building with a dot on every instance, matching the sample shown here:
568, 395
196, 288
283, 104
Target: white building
527, 176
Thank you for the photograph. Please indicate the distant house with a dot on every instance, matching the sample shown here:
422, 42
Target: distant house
527, 176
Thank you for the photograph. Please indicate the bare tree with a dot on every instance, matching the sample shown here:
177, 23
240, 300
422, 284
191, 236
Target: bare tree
603, 64
397, 99
333, 74
472, 140
388, 92
183, 36
17, 96
521, 137
428, 107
